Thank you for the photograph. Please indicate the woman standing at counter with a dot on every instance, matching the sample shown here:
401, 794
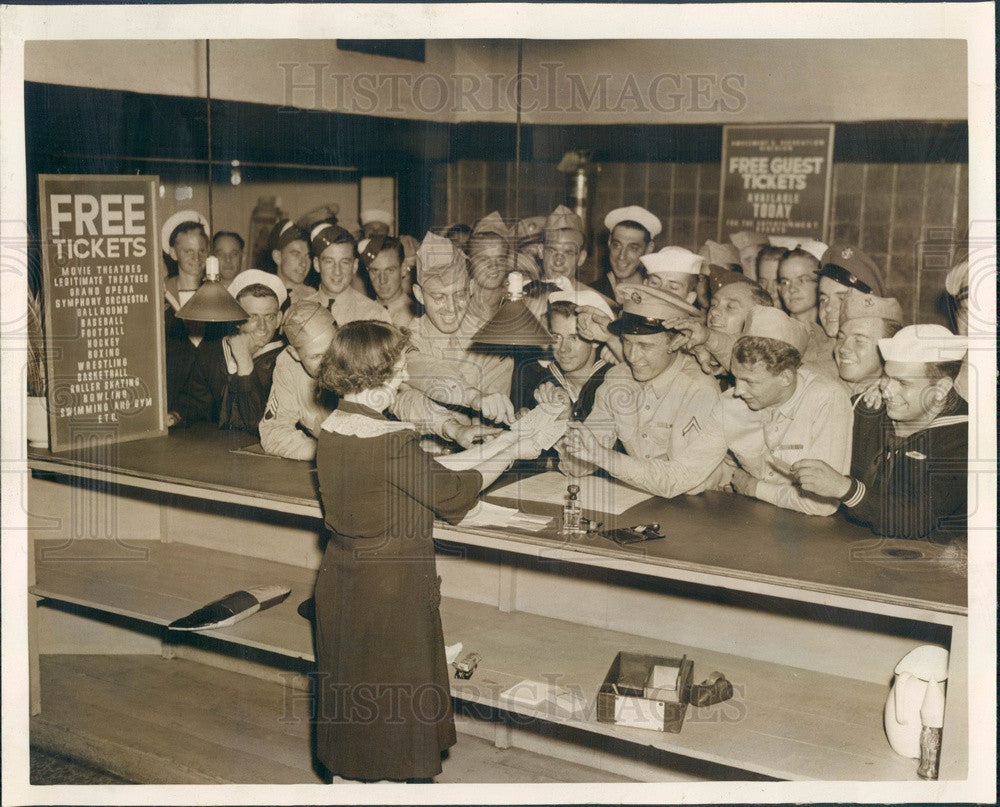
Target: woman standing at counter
383, 700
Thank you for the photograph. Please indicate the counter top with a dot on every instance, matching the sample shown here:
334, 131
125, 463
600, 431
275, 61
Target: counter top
713, 539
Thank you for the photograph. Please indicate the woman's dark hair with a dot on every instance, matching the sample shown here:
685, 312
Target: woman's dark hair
775, 355
362, 356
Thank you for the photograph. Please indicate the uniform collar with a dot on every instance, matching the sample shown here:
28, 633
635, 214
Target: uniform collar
788, 409
660, 385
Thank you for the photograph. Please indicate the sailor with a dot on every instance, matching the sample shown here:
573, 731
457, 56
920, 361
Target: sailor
780, 412
909, 474
674, 269
185, 237
658, 403
230, 379
631, 231
375, 222
957, 285
336, 261
844, 267
575, 370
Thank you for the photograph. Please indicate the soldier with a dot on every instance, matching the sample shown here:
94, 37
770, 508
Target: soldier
780, 412
844, 267
290, 253
295, 411
336, 260
658, 403
440, 363
909, 474
767, 271
383, 257
491, 259
631, 231
864, 319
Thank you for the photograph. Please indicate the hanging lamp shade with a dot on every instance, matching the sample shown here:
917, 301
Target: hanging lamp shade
513, 324
211, 302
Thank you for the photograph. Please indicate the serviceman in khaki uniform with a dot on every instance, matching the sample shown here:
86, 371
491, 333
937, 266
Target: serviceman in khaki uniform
658, 403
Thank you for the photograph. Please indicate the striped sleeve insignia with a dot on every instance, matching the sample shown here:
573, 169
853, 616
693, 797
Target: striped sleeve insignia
692, 425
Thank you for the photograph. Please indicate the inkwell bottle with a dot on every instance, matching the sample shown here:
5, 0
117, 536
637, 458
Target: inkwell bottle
572, 512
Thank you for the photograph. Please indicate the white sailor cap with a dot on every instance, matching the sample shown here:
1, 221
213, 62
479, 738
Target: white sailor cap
673, 259
249, 277
179, 218
815, 248
374, 214
923, 343
583, 297
637, 214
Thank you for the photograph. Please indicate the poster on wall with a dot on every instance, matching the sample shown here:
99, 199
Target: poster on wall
103, 296
776, 179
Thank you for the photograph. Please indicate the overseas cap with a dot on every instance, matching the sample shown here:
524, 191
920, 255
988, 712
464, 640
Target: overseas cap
581, 297
325, 234
374, 214
716, 254
719, 277
369, 248
249, 277
673, 259
305, 320
957, 281
767, 321
530, 230
637, 214
923, 343
175, 221
857, 304
849, 266
645, 308
562, 218
493, 223
284, 232
440, 262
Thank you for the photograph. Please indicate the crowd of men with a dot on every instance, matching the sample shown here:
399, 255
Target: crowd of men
773, 368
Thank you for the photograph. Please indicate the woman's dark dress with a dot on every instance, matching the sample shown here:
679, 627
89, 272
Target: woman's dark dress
383, 702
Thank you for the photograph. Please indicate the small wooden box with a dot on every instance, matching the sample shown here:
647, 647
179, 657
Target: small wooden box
622, 697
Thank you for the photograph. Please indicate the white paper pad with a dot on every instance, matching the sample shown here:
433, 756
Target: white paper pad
596, 493
486, 514
544, 697
451, 652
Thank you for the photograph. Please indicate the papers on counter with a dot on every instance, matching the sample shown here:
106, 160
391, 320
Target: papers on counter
596, 493
485, 514
544, 697
542, 426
